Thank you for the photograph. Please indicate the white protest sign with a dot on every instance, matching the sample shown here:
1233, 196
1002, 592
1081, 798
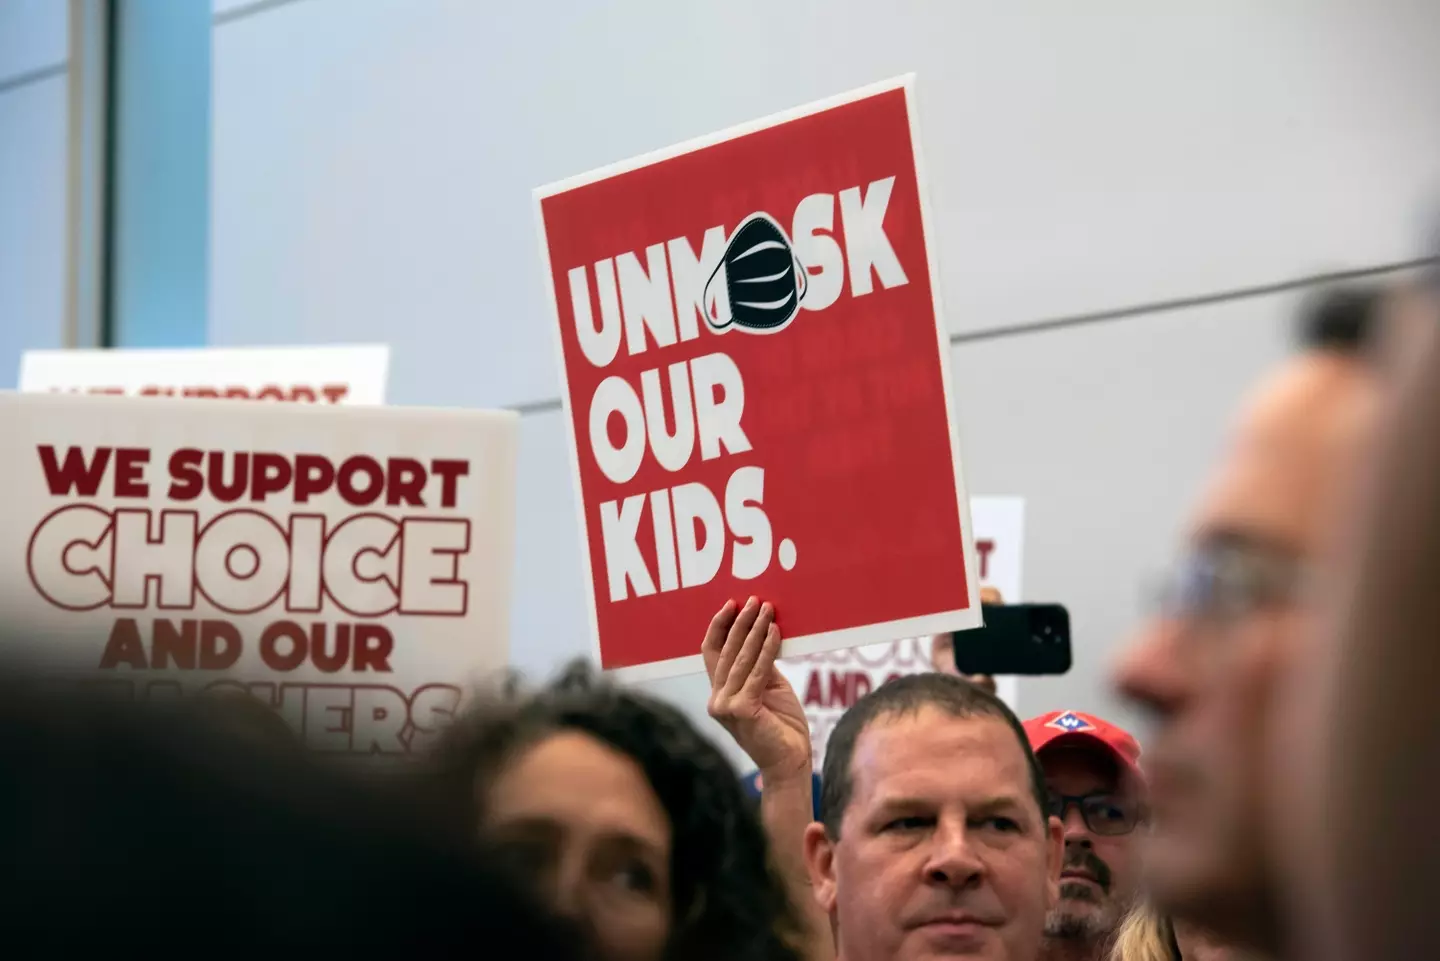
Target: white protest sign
348, 566
830, 682
317, 375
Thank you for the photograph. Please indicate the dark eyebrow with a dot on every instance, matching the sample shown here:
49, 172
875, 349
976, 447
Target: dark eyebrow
627, 843
1001, 804
528, 826
899, 802
897, 805
548, 829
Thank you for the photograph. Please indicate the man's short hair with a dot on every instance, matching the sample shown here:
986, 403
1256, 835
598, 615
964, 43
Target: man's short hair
1343, 319
952, 695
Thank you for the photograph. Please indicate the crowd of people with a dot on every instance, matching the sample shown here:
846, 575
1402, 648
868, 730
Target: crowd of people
1288, 669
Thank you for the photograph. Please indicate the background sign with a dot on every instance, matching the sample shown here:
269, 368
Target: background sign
315, 375
756, 386
349, 567
829, 683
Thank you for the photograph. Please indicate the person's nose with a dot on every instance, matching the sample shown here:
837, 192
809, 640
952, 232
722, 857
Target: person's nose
953, 860
1077, 832
567, 887
1150, 671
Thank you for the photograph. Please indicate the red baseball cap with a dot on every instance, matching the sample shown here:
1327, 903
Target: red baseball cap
1075, 729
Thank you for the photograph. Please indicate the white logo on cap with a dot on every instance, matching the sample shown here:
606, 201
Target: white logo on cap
1070, 722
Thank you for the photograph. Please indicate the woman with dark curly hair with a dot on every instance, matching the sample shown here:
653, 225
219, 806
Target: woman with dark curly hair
626, 816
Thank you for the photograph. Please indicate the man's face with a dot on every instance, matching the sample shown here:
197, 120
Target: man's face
1210, 668
1099, 874
943, 850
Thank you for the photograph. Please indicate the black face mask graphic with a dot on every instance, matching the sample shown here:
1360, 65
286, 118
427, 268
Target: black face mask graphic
759, 283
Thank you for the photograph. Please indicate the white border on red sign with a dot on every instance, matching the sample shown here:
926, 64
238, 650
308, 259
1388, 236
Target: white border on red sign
965, 619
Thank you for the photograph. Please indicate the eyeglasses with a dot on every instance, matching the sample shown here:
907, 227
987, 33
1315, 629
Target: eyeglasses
1224, 581
1104, 814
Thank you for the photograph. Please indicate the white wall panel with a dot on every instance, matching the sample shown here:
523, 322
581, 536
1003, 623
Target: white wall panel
34, 34
548, 622
32, 220
233, 7
373, 158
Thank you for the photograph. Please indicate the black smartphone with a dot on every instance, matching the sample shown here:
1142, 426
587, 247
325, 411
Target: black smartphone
1016, 639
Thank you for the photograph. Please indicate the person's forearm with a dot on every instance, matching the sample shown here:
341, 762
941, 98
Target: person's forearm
787, 808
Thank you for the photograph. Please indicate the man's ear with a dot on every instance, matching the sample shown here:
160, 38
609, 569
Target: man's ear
820, 863
1054, 858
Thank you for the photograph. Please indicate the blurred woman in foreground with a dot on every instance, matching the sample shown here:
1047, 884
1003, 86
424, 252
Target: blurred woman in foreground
133, 829
625, 816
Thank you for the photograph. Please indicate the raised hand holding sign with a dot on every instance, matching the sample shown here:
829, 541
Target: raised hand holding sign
749, 696
756, 704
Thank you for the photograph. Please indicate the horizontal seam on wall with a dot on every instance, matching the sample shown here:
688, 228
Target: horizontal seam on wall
1123, 313
240, 13
34, 76
1186, 303
535, 406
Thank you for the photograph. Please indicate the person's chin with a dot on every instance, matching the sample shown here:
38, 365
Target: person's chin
1081, 906
954, 941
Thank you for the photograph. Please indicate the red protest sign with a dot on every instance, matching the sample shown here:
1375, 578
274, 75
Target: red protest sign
756, 386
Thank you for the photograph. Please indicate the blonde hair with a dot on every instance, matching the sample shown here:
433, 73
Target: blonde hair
1145, 935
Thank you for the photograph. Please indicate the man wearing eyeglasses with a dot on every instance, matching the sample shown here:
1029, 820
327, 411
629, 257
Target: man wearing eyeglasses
1238, 618
1093, 778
